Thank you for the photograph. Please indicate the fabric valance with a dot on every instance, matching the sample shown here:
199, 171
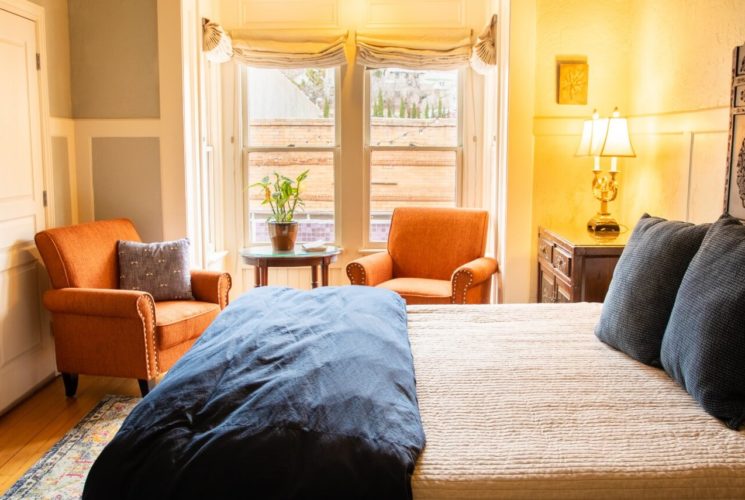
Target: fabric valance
285, 48
414, 49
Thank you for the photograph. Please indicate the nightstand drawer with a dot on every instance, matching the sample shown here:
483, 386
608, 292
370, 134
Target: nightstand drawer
562, 262
574, 265
545, 249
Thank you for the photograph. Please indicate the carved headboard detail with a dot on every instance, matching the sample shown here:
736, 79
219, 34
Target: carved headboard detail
734, 186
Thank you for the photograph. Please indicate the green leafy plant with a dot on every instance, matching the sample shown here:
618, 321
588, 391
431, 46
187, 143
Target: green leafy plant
282, 194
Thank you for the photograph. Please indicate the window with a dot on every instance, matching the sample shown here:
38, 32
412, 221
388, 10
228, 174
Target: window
292, 120
413, 142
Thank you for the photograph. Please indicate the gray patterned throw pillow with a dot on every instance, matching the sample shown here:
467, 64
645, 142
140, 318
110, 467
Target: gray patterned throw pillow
161, 269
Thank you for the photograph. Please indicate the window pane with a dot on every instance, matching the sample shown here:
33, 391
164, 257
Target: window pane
291, 107
409, 178
317, 191
413, 108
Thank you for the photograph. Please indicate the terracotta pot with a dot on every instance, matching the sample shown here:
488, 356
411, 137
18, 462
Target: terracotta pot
283, 235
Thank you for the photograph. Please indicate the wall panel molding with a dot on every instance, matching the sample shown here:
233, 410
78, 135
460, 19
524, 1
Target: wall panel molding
293, 13
416, 13
85, 131
705, 120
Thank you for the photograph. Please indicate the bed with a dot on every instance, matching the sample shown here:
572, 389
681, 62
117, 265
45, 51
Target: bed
523, 401
515, 401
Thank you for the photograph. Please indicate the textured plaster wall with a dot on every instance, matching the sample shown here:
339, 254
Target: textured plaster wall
598, 31
664, 63
681, 53
681, 61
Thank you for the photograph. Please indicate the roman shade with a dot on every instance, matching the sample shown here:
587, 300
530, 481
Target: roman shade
414, 49
289, 48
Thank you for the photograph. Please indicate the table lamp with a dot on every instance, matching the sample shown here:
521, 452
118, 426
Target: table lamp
605, 137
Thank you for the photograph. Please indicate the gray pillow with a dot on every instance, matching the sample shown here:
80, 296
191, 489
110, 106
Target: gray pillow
704, 344
644, 285
161, 269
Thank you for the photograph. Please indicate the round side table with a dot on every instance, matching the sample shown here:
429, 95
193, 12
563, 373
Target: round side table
264, 257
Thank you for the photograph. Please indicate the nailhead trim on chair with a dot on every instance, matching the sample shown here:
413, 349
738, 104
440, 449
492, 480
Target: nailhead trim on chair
465, 290
362, 271
144, 334
227, 289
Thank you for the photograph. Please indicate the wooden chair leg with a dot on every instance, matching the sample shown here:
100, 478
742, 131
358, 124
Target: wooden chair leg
145, 386
71, 384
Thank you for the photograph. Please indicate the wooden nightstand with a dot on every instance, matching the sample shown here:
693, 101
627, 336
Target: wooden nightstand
575, 266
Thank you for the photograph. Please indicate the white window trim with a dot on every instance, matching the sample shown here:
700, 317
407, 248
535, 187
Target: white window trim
246, 150
460, 175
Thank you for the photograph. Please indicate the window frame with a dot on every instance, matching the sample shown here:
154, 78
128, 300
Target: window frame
247, 149
368, 149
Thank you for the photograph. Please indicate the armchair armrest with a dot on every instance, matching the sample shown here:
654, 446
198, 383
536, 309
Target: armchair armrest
371, 269
211, 286
471, 274
123, 319
103, 302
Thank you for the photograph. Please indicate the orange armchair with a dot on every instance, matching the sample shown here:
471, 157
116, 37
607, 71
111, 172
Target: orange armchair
434, 256
101, 330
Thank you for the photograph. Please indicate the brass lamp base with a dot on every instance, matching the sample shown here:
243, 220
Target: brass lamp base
603, 223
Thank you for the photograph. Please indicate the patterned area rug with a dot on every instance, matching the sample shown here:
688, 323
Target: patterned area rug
61, 473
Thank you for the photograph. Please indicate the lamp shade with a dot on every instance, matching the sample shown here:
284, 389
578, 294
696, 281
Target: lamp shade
585, 143
617, 142
593, 136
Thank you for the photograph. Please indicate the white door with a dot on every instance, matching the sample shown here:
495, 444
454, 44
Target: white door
26, 348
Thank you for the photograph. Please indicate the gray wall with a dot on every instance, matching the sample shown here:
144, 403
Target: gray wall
114, 58
126, 182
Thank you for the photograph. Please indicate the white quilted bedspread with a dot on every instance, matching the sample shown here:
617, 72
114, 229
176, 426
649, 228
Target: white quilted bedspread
522, 401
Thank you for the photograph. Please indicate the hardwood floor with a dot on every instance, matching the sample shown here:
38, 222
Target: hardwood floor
30, 429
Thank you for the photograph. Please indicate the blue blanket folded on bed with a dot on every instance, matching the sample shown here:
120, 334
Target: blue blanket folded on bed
288, 394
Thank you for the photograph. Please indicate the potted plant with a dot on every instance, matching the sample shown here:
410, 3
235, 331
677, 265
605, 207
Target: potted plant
283, 195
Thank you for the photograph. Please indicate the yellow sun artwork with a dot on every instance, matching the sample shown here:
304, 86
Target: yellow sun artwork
572, 83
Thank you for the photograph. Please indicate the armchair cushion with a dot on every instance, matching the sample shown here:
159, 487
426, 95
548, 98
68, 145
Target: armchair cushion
420, 290
181, 321
161, 269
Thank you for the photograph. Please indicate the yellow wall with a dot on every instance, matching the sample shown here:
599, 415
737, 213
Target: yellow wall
666, 64
681, 62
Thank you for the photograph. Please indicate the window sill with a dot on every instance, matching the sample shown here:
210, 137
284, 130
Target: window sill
371, 250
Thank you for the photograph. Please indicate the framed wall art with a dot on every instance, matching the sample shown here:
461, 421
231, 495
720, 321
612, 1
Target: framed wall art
571, 81
734, 194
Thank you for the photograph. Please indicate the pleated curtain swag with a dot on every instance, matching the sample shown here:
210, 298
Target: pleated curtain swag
484, 53
216, 43
439, 49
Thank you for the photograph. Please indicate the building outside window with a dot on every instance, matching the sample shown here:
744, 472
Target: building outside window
413, 142
292, 126
413, 146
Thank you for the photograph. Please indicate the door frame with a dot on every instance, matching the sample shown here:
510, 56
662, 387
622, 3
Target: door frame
35, 13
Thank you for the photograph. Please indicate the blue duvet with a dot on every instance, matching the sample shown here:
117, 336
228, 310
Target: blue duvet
288, 394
